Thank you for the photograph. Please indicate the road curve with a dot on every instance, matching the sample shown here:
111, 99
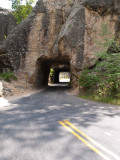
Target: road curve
31, 128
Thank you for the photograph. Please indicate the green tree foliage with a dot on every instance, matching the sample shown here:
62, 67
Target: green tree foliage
104, 79
51, 72
21, 11
51, 75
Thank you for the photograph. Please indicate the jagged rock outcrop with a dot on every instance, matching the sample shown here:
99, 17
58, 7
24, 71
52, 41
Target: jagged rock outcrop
7, 23
60, 32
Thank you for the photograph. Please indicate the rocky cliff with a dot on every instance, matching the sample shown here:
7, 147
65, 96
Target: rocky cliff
59, 32
7, 23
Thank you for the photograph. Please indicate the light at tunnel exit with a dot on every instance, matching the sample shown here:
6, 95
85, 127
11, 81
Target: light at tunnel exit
64, 77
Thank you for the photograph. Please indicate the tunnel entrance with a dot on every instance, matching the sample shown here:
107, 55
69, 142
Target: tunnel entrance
44, 66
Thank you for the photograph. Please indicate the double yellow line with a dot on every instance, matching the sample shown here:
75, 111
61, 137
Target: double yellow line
71, 128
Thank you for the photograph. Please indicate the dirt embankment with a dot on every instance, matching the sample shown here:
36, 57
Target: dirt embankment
17, 88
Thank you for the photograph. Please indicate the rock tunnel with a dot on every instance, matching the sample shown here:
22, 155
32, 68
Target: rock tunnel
43, 67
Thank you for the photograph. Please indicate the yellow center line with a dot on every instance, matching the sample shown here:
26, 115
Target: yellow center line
84, 141
93, 141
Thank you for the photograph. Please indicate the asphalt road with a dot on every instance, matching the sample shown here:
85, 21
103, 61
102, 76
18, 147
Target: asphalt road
32, 128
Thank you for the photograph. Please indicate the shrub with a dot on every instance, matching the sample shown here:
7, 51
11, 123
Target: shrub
8, 76
88, 79
104, 78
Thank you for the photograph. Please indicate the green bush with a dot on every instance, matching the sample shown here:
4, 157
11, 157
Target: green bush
109, 73
104, 79
88, 79
8, 76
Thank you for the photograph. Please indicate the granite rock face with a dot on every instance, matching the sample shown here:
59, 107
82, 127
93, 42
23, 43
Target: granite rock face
61, 32
7, 23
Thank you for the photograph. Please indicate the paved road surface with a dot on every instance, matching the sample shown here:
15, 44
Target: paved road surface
29, 128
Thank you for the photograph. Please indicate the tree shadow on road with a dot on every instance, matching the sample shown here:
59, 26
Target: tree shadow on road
30, 124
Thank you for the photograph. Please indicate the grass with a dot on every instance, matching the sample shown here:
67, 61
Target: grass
109, 100
8, 76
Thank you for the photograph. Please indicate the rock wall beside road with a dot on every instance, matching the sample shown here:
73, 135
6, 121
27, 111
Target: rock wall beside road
60, 31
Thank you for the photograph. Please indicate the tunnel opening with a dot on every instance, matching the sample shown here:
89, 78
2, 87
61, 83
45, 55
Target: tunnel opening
64, 77
43, 70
